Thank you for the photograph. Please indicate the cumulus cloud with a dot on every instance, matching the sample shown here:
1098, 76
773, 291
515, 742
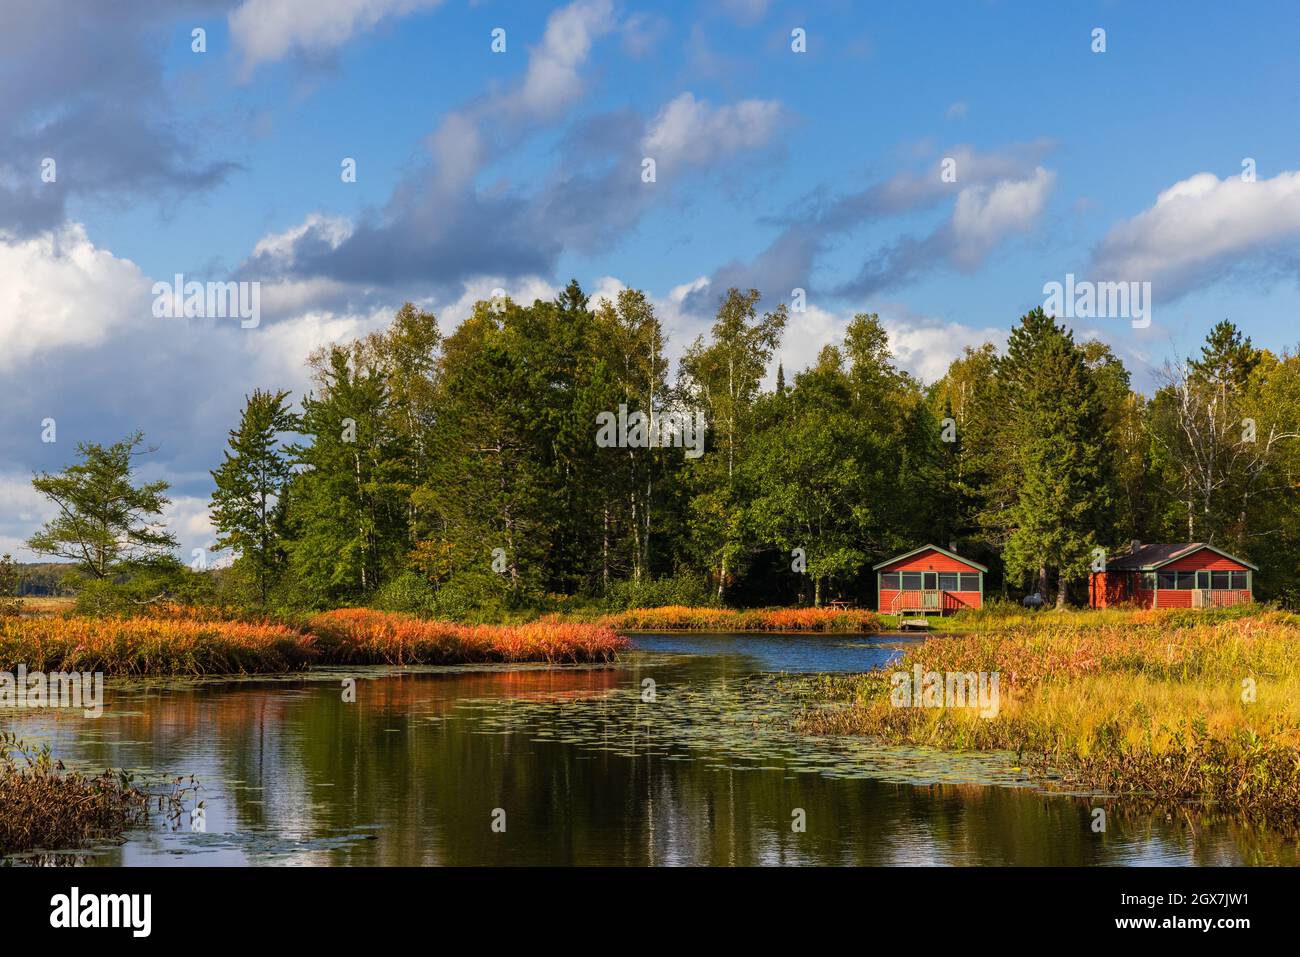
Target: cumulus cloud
927, 347
82, 347
439, 230
922, 345
1203, 228
264, 31
58, 290
984, 214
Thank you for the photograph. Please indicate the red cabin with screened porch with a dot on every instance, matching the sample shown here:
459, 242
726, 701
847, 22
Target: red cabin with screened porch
1178, 575
928, 580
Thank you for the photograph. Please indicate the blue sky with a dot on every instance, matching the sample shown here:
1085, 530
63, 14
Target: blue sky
477, 170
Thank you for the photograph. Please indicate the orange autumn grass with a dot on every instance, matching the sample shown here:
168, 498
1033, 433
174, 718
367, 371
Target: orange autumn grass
362, 636
184, 642
152, 646
682, 618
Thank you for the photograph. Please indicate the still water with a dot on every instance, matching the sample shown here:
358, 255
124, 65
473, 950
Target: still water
680, 754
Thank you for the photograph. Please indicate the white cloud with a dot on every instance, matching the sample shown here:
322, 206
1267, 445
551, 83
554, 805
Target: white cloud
688, 130
552, 82
985, 214
923, 346
267, 30
187, 518
58, 289
280, 248
1200, 228
927, 348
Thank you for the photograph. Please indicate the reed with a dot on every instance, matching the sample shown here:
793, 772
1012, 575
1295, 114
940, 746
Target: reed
362, 636
45, 806
683, 618
152, 646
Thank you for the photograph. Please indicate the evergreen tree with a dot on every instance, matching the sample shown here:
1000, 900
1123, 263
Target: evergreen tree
249, 500
1056, 444
347, 510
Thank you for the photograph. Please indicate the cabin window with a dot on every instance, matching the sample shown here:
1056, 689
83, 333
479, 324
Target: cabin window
948, 581
1149, 581
1219, 581
970, 581
1181, 581
1238, 581
911, 581
889, 581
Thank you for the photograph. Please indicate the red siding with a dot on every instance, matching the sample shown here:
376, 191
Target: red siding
1202, 559
1108, 588
930, 560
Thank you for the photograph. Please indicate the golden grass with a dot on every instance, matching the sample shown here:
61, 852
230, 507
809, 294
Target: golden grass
1170, 704
46, 604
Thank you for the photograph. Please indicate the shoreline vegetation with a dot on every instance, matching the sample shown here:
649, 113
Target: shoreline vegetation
194, 641
683, 618
1174, 707
198, 642
44, 805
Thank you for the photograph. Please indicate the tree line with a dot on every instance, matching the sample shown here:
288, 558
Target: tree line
456, 473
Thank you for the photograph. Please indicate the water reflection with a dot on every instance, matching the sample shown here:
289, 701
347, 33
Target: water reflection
587, 772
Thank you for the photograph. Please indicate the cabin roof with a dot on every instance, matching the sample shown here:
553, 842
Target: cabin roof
943, 551
1150, 557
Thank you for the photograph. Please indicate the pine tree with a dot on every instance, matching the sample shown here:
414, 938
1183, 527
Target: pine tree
347, 509
1055, 442
248, 501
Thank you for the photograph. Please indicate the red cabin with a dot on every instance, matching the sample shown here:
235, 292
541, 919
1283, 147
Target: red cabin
1180, 575
928, 579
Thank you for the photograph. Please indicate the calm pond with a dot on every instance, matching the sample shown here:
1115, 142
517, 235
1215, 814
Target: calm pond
583, 769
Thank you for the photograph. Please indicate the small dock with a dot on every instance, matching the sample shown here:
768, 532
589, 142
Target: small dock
907, 624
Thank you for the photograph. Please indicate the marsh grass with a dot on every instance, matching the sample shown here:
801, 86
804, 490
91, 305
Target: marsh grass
683, 618
359, 636
152, 646
45, 806
1155, 703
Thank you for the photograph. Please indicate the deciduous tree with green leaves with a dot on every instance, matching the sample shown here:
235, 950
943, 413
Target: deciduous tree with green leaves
106, 520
